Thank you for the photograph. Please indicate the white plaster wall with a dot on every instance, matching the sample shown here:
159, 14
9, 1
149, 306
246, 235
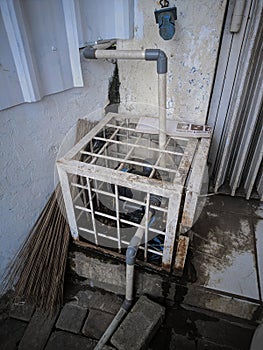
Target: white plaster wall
31, 135
191, 55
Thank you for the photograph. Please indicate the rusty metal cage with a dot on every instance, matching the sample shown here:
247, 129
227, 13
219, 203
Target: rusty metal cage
117, 174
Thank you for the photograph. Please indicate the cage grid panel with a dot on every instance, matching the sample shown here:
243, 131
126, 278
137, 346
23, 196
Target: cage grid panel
114, 176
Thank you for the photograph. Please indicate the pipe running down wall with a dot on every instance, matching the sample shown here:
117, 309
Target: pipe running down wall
131, 254
148, 55
161, 59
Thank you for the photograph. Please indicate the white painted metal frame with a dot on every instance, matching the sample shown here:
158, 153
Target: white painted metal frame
194, 185
170, 190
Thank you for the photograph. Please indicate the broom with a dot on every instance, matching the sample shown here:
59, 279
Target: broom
38, 270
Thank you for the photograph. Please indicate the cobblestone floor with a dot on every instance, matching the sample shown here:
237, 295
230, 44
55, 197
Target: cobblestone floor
86, 315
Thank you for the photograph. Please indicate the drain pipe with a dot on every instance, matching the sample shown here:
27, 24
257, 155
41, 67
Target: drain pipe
148, 55
130, 262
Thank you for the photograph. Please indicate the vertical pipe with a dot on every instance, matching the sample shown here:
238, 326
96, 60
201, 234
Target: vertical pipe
129, 282
162, 109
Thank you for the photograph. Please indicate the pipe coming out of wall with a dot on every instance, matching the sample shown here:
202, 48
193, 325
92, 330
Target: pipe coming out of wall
161, 59
148, 55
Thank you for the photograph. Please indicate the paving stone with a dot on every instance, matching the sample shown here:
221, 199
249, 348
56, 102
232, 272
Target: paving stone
106, 302
37, 332
69, 341
22, 311
11, 332
96, 323
139, 326
71, 318
83, 298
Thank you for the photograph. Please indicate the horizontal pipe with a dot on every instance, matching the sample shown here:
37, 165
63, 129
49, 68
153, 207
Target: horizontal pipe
149, 55
114, 54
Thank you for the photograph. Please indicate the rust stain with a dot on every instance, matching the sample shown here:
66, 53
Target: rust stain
187, 218
181, 253
166, 267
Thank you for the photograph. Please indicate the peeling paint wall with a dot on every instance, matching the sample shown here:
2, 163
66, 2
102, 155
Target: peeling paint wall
31, 135
191, 53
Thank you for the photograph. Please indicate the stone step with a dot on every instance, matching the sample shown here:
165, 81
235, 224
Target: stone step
37, 332
139, 326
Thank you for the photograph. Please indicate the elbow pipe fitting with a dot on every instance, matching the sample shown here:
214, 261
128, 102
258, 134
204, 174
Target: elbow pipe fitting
159, 56
89, 52
131, 251
150, 55
126, 305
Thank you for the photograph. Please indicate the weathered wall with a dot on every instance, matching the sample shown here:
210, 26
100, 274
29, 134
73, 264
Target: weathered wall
191, 53
31, 135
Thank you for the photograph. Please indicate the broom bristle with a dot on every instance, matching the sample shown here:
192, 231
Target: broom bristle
38, 270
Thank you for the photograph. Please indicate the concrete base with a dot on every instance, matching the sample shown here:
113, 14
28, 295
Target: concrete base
223, 273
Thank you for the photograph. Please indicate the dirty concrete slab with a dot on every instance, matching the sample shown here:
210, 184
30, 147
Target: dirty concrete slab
96, 323
258, 225
82, 298
204, 344
22, 311
179, 341
218, 331
110, 276
224, 255
11, 332
37, 332
228, 204
106, 302
203, 298
194, 330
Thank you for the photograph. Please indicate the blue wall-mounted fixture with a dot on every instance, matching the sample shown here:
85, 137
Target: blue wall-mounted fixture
166, 18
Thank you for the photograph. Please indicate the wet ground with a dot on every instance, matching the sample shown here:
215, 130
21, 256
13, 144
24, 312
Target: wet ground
87, 312
217, 305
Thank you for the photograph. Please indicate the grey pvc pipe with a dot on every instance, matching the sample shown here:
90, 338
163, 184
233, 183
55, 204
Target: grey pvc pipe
162, 109
121, 54
148, 55
133, 246
111, 329
161, 59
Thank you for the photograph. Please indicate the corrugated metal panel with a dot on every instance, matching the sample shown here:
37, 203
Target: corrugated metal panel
236, 152
104, 20
9, 79
40, 43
